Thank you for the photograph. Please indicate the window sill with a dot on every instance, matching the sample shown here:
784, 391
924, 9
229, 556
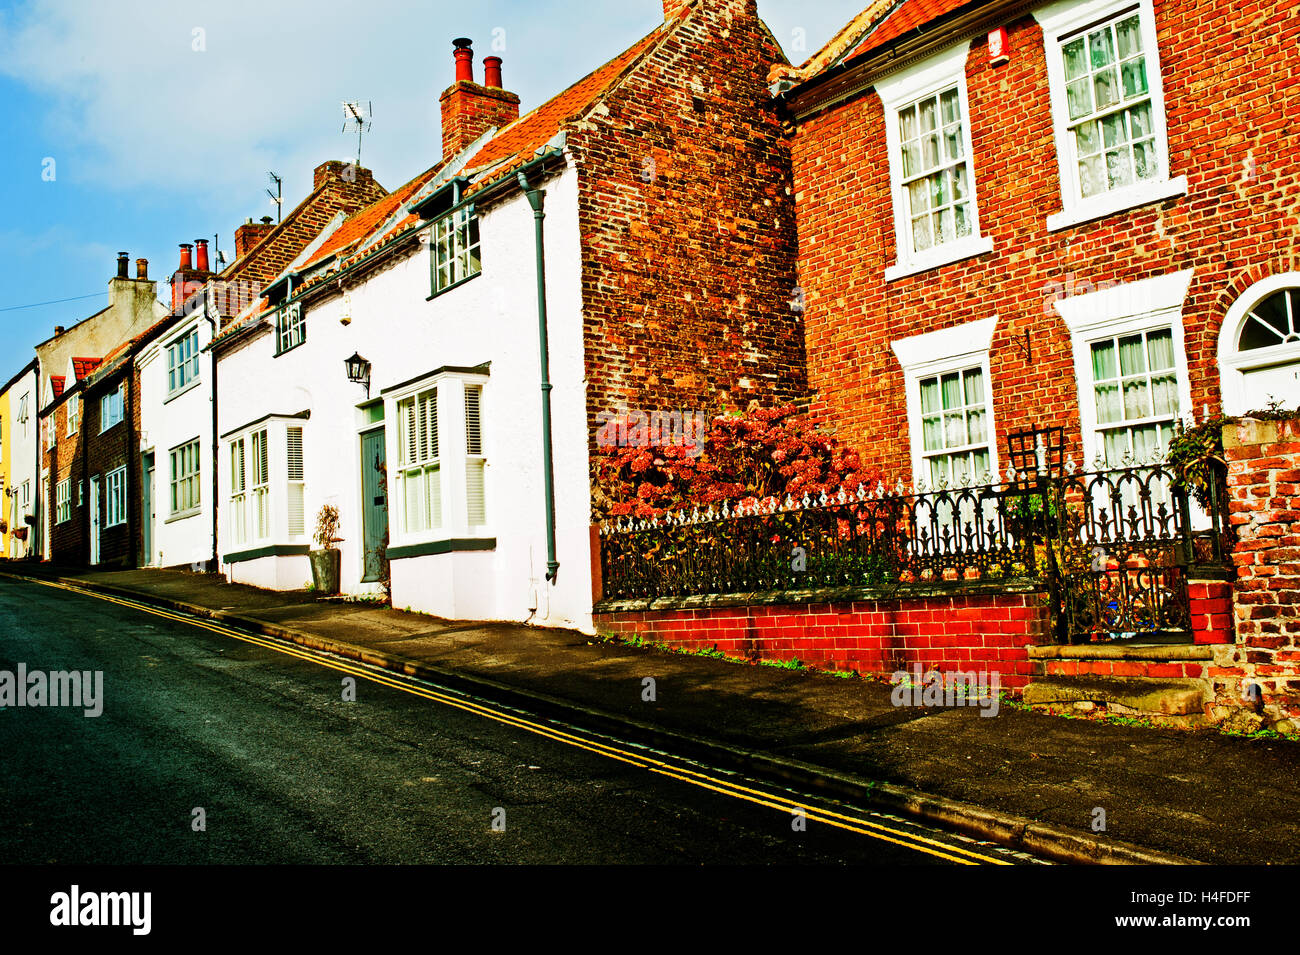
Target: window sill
284, 351
454, 285
184, 515
106, 430
944, 255
445, 546
1131, 197
190, 386
270, 550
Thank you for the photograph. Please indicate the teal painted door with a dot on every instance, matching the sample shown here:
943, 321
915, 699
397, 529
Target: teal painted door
374, 502
147, 512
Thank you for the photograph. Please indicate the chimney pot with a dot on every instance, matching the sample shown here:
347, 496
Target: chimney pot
464, 59
201, 255
142, 269
186, 263
122, 258
59, 330
492, 71
266, 220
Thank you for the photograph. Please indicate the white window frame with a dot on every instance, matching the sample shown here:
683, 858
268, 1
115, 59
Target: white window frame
106, 408
932, 76
74, 414
290, 328
455, 257
453, 460
1065, 17
182, 368
1142, 306
260, 508
63, 501
115, 508
957, 348
186, 485
1234, 363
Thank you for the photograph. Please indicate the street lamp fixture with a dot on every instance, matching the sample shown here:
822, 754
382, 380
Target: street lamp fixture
359, 371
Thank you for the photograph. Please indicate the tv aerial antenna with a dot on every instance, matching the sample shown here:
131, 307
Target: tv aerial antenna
278, 196
361, 116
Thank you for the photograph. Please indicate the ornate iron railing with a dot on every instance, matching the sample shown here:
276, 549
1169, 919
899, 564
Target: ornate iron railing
1110, 546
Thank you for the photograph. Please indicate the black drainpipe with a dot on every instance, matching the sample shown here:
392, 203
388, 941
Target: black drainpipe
536, 199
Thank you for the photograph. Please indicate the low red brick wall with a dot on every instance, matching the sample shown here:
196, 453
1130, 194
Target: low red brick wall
986, 632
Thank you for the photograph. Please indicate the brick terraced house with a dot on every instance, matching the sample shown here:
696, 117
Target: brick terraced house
1079, 215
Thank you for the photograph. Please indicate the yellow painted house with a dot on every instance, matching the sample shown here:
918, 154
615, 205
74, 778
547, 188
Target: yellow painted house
18, 464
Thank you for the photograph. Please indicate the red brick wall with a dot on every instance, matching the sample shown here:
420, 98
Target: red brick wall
1231, 72
68, 540
988, 632
117, 447
688, 226
1264, 484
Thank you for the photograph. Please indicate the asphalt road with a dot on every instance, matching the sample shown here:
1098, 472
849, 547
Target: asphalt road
287, 771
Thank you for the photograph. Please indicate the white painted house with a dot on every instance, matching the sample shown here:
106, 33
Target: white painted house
176, 422
445, 450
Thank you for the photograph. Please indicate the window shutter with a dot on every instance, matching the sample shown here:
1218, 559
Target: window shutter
474, 464
263, 469
432, 402
293, 440
410, 435
237, 466
473, 423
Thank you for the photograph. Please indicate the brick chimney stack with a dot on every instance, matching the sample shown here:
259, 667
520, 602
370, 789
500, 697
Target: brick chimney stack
469, 109
675, 8
249, 234
187, 279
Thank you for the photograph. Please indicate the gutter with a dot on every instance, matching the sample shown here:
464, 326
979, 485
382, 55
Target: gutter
216, 443
537, 198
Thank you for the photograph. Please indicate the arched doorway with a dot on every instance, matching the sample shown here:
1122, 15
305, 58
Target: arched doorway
1259, 346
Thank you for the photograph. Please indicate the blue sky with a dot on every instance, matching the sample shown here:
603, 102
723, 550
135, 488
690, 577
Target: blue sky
158, 121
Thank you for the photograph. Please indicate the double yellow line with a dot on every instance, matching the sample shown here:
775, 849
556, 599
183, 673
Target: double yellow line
687, 774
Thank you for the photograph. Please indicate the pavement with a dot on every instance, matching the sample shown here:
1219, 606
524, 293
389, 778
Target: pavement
1073, 790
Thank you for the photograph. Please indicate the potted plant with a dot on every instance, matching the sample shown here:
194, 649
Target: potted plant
326, 561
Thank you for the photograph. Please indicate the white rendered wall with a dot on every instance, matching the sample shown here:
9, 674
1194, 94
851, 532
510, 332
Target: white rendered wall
166, 423
393, 324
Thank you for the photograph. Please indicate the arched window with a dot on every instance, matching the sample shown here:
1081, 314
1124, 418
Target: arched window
1259, 346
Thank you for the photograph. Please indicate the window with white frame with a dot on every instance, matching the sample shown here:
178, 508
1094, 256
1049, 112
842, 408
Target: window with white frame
63, 501
1130, 367
1108, 111
74, 414
259, 481
419, 463
252, 518
115, 498
1259, 346
949, 405
185, 478
290, 329
110, 409
26, 492
954, 428
454, 243
183, 361
932, 174
238, 511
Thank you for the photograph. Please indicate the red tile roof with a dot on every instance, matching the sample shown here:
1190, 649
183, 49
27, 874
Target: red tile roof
872, 29
81, 367
56, 382
910, 15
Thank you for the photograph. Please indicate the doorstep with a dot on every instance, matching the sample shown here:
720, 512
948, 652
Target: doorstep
1161, 681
